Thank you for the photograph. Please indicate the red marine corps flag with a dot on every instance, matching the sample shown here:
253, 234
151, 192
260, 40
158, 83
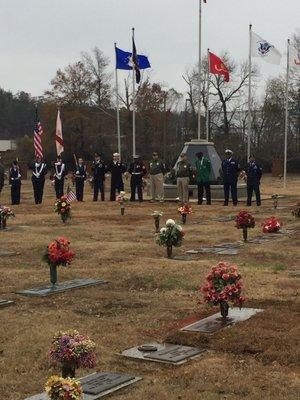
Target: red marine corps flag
217, 67
58, 135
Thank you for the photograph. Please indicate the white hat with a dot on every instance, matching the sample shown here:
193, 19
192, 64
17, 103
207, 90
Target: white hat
228, 151
116, 155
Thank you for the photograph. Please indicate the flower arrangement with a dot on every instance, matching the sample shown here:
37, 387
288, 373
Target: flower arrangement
244, 220
73, 350
58, 253
223, 285
275, 200
171, 235
271, 225
5, 213
296, 210
58, 388
63, 208
184, 210
157, 215
121, 199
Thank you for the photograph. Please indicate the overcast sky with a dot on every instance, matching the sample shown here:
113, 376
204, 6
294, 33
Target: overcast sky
40, 36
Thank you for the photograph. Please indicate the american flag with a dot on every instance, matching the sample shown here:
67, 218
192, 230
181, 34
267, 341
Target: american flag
71, 196
37, 136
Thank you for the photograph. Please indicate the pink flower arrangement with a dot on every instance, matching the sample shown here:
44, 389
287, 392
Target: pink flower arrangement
271, 225
223, 284
73, 348
185, 210
244, 220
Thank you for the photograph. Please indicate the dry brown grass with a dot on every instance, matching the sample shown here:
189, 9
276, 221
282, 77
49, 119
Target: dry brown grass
148, 297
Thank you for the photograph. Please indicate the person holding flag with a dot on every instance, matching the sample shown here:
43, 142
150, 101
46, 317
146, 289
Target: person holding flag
39, 171
60, 173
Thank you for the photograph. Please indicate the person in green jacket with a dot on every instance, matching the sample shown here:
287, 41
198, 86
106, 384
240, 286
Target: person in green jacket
203, 169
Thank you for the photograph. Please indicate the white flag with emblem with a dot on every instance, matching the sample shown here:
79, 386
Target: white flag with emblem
58, 136
294, 57
263, 49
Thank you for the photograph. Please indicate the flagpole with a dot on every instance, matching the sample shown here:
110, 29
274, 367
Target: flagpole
286, 113
133, 104
249, 95
118, 108
199, 69
207, 97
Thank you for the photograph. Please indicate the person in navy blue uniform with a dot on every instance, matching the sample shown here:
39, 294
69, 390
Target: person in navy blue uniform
15, 183
117, 169
80, 177
230, 169
254, 174
99, 169
39, 171
137, 170
60, 173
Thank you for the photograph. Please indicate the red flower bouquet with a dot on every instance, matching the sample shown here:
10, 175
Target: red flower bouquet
58, 253
271, 225
184, 211
223, 285
244, 220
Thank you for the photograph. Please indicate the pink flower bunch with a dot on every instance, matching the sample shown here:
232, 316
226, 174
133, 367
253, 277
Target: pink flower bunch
223, 284
73, 347
244, 220
271, 225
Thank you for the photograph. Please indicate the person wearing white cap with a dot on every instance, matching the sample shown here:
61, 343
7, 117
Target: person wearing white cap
117, 169
230, 169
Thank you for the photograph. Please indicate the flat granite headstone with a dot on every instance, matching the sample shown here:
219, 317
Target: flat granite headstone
215, 322
6, 253
98, 385
5, 303
163, 353
61, 287
224, 218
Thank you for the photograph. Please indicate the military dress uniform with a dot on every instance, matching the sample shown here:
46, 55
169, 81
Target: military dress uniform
137, 170
60, 173
80, 177
39, 171
230, 169
15, 182
254, 174
117, 169
99, 169
156, 173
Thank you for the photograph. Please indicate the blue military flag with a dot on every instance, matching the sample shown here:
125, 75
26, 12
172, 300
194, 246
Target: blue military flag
124, 60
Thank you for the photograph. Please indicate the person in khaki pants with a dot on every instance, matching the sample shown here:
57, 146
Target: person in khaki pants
156, 174
183, 171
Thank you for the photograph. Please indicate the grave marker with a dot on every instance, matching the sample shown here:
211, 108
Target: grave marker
5, 303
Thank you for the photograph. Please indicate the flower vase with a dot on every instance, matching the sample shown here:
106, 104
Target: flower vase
169, 251
2, 222
245, 234
63, 218
183, 216
68, 370
122, 209
224, 306
53, 274
156, 222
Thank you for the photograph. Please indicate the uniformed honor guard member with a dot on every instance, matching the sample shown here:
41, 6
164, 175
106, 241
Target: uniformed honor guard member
39, 171
60, 173
230, 169
137, 170
156, 173
99, 170
203, 170
80, 177
117, 168
183, 171
254, 174
2, 175
15, 183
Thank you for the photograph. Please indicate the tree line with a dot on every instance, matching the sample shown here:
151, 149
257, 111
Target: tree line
165, 118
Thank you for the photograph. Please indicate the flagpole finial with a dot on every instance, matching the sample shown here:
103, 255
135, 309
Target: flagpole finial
250, 26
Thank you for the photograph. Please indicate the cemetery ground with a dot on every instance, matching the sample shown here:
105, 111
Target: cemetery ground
150, 297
